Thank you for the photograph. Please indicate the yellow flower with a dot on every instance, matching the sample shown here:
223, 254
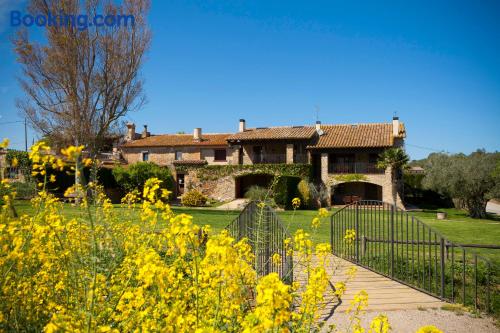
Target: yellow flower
52, 179
4, 143
14, 162
295, 203
72, 152
322, 212
429, 329
380, 324
350, 235
315, 222
276, 258
87, 162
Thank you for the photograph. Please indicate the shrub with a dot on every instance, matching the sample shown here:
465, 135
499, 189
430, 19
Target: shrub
134, 176
304, 189
24, 190
285, 190
257, 193
193, 198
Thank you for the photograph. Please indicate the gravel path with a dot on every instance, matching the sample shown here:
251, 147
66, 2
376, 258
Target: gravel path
408, 321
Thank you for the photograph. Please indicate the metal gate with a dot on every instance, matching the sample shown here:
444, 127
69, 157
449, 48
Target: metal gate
266, 234
393, 243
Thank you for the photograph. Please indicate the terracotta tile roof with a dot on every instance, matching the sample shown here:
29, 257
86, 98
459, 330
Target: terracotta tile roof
356, 136
175, 140
274, 133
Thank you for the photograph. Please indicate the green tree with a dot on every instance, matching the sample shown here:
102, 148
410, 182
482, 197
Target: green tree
396, 159
134, 176
473, 178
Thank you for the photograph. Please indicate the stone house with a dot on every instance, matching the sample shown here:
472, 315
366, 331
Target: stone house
341, 157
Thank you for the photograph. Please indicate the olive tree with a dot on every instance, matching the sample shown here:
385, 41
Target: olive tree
474, 178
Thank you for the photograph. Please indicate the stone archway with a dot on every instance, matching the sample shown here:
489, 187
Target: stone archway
244, 182
343, 193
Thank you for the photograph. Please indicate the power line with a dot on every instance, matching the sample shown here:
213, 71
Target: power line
427, 148
12, 122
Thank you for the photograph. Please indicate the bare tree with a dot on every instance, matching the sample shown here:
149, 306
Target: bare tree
82, 79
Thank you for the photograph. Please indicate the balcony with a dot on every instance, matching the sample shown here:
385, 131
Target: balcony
300, 158
269, 159
354, 167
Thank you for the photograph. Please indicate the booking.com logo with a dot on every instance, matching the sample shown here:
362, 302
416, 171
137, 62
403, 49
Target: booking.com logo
81, 21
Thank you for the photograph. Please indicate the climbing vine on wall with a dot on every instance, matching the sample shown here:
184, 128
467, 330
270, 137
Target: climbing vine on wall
352, 177
213, 172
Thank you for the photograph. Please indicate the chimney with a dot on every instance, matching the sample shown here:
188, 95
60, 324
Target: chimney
197, 134
242, 126
395, 126
145, 132
318, 125
130, 132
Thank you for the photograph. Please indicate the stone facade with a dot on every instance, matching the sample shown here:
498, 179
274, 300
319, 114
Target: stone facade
165, 156
323, 147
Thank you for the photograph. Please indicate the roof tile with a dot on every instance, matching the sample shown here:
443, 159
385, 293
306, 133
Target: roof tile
175, 140
274, 133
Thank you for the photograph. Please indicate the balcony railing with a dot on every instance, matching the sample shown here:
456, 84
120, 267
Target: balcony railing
354, 167
269, 158
278, 158
300, 158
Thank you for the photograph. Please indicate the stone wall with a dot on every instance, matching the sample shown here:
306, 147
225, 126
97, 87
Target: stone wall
383, 180
165, 156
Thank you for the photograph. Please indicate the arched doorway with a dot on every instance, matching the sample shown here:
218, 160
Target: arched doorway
351, 191
243, 183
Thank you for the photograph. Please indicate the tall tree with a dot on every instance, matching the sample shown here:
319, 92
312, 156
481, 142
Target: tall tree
396, 159
473, 178
82, 79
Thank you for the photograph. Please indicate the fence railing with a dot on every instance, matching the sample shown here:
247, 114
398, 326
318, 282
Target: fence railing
398, 245
354, 167
266, 234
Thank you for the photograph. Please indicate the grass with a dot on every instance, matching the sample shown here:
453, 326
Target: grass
458, 227
461, 229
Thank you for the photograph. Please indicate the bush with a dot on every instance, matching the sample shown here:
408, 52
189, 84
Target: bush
257, 193
135, 176
304, 189
193, 198
24, 190
285, 190
319, 195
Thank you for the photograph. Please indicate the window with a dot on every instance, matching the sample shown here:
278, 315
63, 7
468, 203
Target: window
257, 154
145, 156
178, 155
219, 154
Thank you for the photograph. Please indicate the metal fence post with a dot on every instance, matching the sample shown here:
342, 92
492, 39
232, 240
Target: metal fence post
392, 240
357, 231
331, 233
442, 267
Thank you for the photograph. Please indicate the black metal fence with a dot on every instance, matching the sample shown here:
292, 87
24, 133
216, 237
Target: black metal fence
266, 234
398, 245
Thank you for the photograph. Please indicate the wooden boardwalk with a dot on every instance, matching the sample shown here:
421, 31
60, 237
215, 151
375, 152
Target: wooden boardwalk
384, 294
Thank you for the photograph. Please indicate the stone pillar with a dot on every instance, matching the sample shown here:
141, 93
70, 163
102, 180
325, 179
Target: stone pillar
324, 168
289, 153
236, 156
388, 190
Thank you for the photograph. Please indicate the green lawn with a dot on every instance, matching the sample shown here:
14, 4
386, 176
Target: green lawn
458, 227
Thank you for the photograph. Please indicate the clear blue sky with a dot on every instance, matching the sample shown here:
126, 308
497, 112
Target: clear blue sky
272, 62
